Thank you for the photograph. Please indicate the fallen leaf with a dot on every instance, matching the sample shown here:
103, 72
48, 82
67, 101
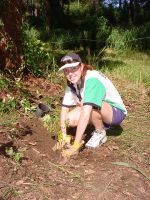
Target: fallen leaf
111, 148
89, 171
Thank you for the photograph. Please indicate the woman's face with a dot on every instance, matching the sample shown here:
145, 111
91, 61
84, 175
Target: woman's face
73, 74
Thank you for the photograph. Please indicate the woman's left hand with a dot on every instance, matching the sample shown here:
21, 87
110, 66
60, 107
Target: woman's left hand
73, 150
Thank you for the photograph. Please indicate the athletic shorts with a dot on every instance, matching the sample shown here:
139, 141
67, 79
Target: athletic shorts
118, 117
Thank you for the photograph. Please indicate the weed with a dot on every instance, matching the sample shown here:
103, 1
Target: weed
51, 122
15, 155
9, 191
133, 167
27, 105
2, 84
7, 103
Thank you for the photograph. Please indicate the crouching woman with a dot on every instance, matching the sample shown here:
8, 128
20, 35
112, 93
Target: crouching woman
90, 98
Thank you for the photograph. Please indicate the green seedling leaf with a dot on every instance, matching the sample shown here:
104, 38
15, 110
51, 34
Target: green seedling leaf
59, 136
133, 167
9, 151
17, 156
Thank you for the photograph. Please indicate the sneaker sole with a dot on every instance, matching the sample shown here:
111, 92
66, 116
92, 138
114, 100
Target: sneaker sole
102, 142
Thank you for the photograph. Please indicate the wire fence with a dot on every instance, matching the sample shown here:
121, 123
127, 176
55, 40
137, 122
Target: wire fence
91, 40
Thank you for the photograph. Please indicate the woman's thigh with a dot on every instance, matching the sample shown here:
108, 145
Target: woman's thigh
106, 114
111, 115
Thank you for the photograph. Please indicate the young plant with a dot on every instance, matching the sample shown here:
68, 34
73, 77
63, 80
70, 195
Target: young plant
7, 103
27, 105
15, 155
51, 122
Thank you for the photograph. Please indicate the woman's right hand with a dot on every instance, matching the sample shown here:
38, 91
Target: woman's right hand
63, 142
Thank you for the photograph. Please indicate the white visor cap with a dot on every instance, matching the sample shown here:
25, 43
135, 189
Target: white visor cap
73, 57
68, 65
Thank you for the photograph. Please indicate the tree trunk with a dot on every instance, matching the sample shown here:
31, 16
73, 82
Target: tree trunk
11, 36
120, 4
131, 12
48, 8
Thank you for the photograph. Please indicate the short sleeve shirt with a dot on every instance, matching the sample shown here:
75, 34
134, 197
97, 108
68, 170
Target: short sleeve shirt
95, 89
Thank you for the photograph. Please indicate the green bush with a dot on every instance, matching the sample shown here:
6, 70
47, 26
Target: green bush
35, 52
103, 31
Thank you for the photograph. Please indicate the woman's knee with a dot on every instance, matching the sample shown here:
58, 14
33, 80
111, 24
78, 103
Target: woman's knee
70, 120
72, 117
95, 115
106, 112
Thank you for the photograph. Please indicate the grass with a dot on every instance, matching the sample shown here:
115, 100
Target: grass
130, 66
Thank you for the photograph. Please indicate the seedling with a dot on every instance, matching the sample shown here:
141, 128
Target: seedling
12, 153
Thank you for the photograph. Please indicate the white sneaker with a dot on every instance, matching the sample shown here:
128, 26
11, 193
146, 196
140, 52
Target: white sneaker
98, 138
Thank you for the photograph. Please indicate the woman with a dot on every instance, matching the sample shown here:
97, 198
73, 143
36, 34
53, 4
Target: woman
95, 100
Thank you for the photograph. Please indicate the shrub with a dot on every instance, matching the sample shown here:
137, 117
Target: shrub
36, 55
103, 31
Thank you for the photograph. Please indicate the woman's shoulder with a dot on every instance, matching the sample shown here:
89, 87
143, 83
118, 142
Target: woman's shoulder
91, 73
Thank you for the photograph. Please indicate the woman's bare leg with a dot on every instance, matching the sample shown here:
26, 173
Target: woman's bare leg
104, 115
97, 117
73, 116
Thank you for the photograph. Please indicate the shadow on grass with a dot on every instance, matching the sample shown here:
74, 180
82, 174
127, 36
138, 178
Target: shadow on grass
111, 64
115, 130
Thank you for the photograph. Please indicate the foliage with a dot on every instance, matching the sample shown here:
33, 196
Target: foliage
6, 84
7, 103
77, 10
27, 106
36, 55
10, 100
64, 40
1, 25
51, 122
12, 153
3, 4
133, 38
103, 31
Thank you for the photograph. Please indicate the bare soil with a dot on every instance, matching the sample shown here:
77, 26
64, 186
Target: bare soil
90, 176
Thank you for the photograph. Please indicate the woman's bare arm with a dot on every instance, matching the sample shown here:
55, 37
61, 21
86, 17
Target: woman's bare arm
63, 116
83, 122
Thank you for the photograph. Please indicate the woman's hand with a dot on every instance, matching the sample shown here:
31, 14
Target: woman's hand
73, 150
62, 143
